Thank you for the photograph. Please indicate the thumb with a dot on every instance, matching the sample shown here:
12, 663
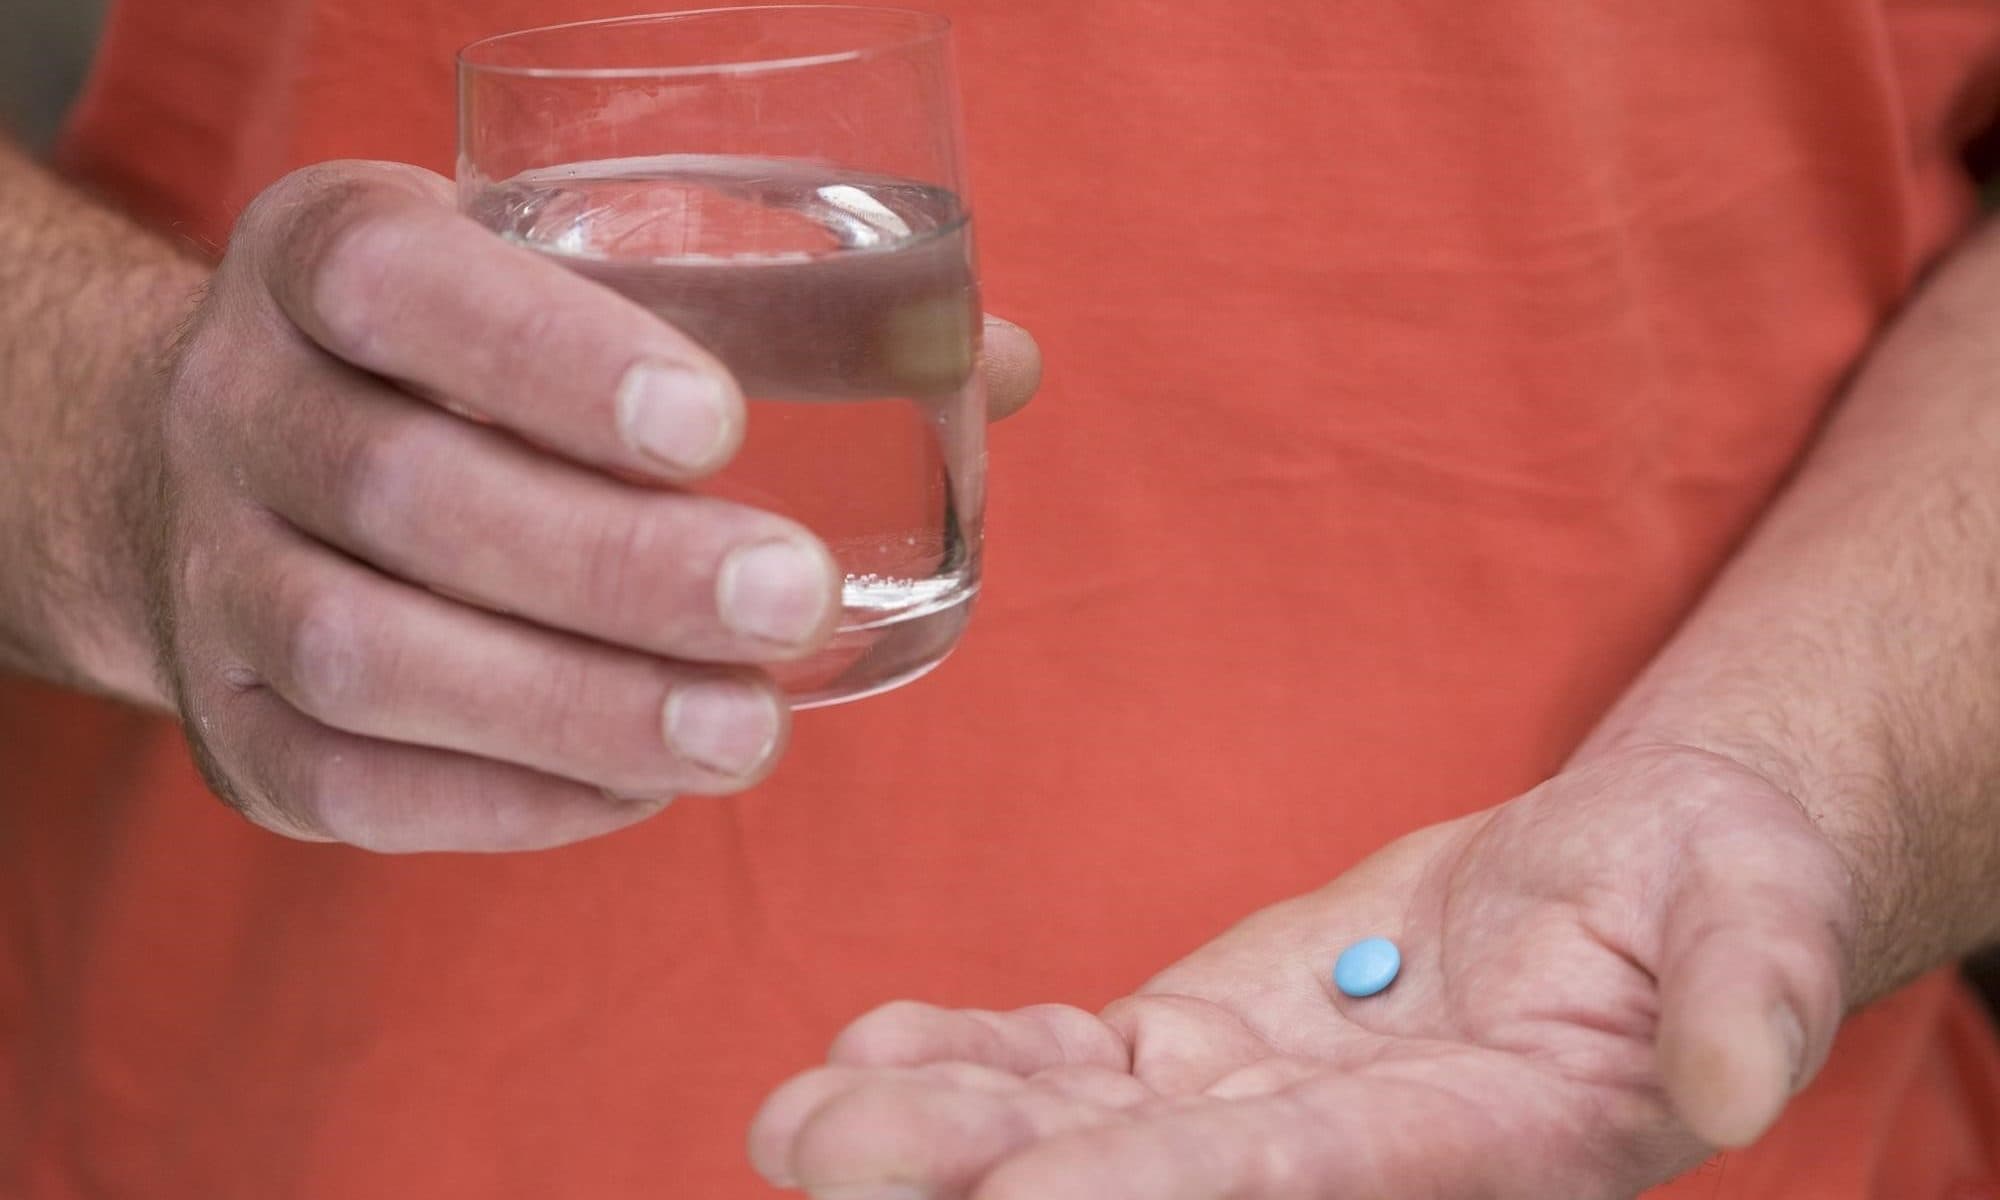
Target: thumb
1013, 367
1750, 995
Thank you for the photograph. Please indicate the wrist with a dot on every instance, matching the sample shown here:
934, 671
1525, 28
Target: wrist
83, 365
113, 636
89, 307
105, 522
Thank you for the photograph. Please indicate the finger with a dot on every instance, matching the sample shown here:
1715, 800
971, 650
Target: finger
1183, 1044
1750, 990
367, 655
474, 513
1013, 366
778, 1123
1332, 1136
1024, 1041
775, 1128
936, 1127
291, 774
1195, 1150
368, 262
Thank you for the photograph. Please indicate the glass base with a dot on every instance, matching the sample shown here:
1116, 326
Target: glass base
884, 654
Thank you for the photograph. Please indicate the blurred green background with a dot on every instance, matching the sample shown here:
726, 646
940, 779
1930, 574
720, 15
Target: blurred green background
45, 48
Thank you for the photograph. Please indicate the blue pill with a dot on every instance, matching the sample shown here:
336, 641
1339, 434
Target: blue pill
1367, 967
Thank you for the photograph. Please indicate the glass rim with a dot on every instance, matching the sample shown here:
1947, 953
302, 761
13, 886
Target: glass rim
927, 27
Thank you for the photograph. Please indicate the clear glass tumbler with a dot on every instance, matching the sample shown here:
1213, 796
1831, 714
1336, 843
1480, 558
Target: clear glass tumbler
784, 184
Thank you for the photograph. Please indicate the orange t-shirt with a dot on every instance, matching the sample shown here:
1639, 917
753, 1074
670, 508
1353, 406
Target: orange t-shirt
1414, 364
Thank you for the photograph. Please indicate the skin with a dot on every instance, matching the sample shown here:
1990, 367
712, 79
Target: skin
265, 494
1606, 979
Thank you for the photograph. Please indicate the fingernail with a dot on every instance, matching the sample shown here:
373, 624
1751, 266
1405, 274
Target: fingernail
1792, 1039
777, 591
723, 725
676, 415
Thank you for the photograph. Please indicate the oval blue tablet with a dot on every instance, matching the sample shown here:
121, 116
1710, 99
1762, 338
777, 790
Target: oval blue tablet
1367, 967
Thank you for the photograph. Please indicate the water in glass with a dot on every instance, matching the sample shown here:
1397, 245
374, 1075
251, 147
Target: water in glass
846, 306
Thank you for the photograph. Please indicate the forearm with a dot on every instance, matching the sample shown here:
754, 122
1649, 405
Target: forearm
1851, 652
88, 303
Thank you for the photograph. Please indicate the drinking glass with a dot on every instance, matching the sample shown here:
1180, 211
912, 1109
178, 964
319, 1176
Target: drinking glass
785, 185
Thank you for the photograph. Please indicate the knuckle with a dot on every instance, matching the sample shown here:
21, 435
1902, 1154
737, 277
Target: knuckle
324, 656
243, 774
1127, 1013
197, 378
194, 573
327, 795
189, 567
189, 383
299, 190
565, 714
887, 1034
622, 567
837, 1137
277, 206
207, 753
350, 268
295, 199
869, 1035
1081, 1034
378, 482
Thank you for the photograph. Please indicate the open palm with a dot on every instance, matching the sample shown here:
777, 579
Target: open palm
1602, 979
